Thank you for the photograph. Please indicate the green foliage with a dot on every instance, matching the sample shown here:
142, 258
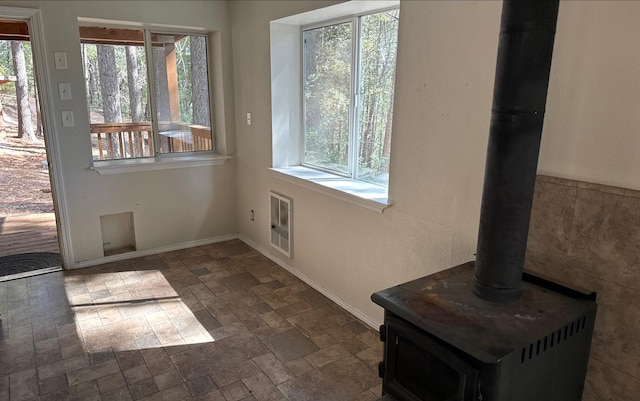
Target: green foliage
183, 66
92, 78
327, 75
6, 68
377, 76
183, 61
328, 59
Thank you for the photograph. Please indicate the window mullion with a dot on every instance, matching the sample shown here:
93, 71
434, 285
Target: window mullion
151, 87
355, 98
303, 102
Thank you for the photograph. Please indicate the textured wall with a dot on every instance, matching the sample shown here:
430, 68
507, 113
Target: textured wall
589, 235
440, 127
171, 206
591, 124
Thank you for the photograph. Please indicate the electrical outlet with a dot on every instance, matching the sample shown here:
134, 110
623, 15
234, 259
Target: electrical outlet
253, 216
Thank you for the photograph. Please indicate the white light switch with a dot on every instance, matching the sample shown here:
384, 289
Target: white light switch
248, 118
61, 60
67, 118
64, 90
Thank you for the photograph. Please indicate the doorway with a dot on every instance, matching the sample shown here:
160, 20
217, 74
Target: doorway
29, 242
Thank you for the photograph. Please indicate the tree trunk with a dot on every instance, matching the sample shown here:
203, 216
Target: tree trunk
110, 93
199, 82
367, 136
25, 126
135, 86
87, 77
386, 147
109, 84
3, 133
162, 88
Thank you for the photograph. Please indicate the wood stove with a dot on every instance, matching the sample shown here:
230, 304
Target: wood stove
486, 330
443, 343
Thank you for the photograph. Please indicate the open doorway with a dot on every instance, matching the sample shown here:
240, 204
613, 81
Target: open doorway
28, 234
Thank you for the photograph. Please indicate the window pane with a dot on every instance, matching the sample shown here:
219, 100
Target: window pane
327, 83
181, 92
117, 93
378, 44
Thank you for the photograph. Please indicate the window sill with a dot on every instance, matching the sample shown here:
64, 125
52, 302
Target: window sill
360, 193
165, 162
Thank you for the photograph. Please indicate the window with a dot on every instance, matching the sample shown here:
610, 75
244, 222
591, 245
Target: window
331, 128
140, 108
348, 75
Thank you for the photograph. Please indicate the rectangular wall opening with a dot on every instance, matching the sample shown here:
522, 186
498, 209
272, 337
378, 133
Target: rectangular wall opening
118, 233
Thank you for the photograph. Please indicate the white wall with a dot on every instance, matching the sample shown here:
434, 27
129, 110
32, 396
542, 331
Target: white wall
169, 206
445, 70
592, 126
446, 62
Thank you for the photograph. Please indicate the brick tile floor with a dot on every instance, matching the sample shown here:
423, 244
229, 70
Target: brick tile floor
218, 322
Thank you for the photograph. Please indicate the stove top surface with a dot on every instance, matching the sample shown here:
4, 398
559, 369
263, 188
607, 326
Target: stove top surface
443, 304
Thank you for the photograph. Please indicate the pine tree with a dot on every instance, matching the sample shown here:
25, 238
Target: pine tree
25, 125
109, 84
199, 82
135, 85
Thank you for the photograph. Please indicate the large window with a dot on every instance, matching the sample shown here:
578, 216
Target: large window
348, 78
141, 108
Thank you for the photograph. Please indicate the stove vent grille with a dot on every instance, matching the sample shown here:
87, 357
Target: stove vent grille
553, 340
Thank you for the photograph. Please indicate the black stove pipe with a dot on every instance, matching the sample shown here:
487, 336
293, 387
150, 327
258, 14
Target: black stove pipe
525, 48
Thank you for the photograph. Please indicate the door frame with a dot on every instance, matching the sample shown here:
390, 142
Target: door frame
43, 81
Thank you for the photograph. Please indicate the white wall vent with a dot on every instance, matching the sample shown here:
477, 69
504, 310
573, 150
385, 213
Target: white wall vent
281, 223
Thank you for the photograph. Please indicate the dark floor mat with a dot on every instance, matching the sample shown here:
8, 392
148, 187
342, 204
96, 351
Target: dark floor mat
26, 262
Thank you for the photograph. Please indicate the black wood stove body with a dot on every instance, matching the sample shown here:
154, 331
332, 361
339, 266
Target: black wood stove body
442, 343
484, 330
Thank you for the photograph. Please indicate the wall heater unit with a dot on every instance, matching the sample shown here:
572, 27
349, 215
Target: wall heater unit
281, 223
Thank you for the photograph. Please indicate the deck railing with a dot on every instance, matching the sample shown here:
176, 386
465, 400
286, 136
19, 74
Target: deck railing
131, 140
184, 138
122, 140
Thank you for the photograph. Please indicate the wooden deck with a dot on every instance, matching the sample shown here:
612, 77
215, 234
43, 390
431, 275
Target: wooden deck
28, 233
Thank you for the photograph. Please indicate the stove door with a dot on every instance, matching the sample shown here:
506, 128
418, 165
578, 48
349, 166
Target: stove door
419, 368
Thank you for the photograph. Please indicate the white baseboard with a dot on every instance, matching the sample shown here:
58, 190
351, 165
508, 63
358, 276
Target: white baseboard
147, 252
341, 302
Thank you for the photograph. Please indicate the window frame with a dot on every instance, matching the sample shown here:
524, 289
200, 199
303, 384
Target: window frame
303, 103
159, 160
354, 90
286, 108
153, 108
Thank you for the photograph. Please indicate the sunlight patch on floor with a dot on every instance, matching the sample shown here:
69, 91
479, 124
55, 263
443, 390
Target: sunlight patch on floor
131, 310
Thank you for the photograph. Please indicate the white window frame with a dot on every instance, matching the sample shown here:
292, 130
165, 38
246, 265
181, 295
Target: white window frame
353, 114
162, 161
354, 90
288, 114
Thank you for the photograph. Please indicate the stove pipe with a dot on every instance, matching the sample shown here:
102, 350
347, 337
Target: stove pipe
525, 48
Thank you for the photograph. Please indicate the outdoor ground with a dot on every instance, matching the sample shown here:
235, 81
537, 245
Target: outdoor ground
24, 178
